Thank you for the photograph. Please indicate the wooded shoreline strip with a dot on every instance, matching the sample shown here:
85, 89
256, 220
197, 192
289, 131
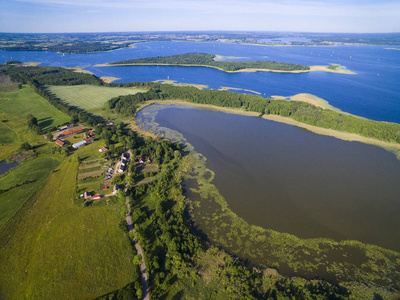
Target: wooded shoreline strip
214, 61
315, 68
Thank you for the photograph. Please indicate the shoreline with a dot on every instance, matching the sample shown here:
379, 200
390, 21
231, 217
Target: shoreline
310, 99
316, 68
345, 136
105, 79
176, 83
109, 79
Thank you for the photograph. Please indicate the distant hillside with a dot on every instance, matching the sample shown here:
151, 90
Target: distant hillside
208, 60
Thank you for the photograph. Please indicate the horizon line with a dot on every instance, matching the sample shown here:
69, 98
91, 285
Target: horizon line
199, 31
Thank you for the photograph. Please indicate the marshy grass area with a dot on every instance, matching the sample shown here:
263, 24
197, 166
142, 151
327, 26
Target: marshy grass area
335, 261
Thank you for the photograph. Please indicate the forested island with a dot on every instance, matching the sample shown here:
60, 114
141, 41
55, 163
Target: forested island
208, 60
181, 261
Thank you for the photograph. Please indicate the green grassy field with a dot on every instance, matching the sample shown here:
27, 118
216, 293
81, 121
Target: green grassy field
7, 135
7, 150
55, 249
29, 176
90, 97
22, 134
25, 101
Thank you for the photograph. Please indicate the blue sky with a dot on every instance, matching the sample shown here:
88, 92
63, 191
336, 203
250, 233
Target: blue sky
171, 15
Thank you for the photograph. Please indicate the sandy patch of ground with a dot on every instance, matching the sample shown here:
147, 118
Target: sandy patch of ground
219, 57
109, 79
176, 83
31, 63
80, 70
308, 98
227, 88
338, 69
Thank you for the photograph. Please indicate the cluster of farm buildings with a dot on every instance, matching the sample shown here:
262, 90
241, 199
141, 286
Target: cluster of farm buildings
65, 132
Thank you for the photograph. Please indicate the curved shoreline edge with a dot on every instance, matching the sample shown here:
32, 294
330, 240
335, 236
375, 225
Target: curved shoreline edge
283, 253
346, 136
315, 68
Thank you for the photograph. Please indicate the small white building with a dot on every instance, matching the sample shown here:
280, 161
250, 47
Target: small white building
79, 144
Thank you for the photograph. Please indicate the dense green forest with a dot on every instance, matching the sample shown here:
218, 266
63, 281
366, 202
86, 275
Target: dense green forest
299, 111
204, 59
48, 75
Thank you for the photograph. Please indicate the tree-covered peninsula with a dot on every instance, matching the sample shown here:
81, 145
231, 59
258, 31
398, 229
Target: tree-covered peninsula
208, 60
298, 111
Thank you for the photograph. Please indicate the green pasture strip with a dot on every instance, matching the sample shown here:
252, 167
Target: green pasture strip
25, 101
7, 135
18, 185
90, 97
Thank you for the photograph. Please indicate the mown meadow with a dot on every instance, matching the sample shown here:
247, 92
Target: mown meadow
25, 101
89, 97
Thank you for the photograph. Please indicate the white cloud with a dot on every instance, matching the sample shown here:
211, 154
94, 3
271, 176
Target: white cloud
285, 7
300, 15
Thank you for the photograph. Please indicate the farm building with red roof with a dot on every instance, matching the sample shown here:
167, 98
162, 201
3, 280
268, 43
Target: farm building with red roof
72, 131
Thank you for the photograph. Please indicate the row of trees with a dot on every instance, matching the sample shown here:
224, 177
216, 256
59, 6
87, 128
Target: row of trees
33, 124
299, 111
204, 59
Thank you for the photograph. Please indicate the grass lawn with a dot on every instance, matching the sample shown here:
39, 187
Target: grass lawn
56, 249
7, 150
90, 97
7, 135
25, 101
30, 175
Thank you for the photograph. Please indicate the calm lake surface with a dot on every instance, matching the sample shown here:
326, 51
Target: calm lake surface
288, 179
5, 167
373, 93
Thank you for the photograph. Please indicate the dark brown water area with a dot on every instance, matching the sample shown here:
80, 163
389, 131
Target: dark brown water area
287, 179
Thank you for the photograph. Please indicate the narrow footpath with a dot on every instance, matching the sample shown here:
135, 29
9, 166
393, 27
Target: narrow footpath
143, 269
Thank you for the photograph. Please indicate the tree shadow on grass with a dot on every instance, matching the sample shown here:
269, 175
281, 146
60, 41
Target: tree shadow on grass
45, 122
35, 147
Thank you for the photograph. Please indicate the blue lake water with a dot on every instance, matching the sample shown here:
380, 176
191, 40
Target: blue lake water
5, 167
373, 93
292, 180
